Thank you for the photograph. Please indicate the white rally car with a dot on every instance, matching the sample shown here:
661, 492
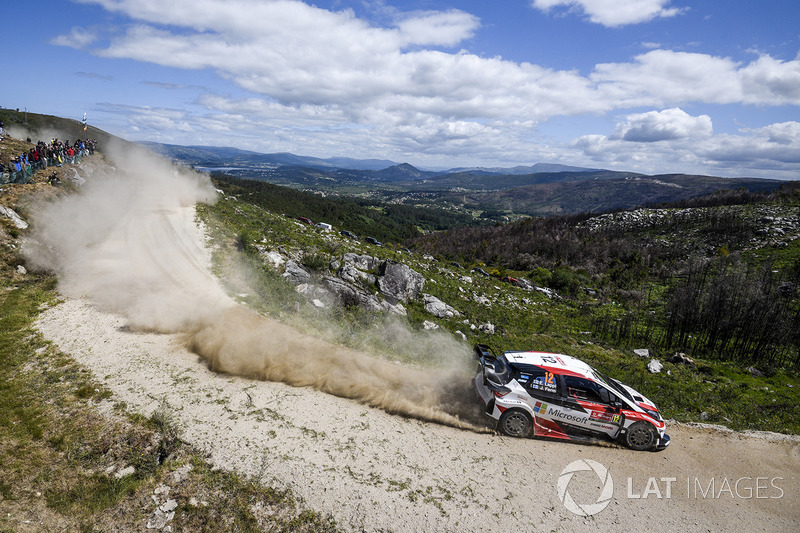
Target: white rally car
555, 395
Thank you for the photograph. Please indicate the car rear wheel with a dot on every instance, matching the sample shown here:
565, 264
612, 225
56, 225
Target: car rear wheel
516, 423
641, 436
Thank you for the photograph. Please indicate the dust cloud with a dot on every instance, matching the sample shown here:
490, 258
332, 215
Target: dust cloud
128, 241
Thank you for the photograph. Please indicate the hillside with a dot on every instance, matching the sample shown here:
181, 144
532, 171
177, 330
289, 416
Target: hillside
495, 194
298, 375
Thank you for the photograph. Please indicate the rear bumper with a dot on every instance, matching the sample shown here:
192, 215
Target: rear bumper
484, 394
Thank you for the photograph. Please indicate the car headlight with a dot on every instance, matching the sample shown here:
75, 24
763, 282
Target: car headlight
654, 414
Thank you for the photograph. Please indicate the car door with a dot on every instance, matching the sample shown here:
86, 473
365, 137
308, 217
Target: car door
589, 407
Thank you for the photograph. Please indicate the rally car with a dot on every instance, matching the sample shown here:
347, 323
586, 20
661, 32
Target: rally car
559, 396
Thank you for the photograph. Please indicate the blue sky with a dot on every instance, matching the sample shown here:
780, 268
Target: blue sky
654, 86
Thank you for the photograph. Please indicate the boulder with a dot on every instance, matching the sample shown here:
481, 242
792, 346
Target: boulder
399, 282
351, 274
654, 366
362, 262
438, 308
15, 218
642, 352
296, 274
348, 294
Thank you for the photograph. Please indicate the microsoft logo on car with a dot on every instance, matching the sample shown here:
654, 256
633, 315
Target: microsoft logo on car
540, 407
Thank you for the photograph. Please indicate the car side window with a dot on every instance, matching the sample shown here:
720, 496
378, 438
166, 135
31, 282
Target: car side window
584, 389
539, 381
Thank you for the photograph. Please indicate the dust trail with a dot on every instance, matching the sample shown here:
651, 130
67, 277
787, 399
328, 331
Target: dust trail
128, 241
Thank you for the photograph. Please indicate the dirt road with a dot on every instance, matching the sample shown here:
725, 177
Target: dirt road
129, 241
374, 471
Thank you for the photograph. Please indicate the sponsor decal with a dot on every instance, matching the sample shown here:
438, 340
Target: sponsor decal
566, 416
605, 416
540, 408
549, 359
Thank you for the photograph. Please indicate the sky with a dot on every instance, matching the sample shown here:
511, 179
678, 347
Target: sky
651, 86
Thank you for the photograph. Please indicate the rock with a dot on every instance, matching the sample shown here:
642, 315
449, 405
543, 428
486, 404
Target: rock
654, 366
21, 270
642, 352
318, 303
400, 282
348, 294
755, 372
483, 300
679, 358
362, 262
169, 506
296, 274
274, 258
461, 334
487, 328
15, 218
438, 308
351, 274
394, 307
315, 292
430, 325
127, 471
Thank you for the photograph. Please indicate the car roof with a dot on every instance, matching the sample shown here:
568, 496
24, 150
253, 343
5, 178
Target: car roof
558, 363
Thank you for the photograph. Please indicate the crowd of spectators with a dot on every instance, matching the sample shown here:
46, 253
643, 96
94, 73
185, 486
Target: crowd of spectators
20, 168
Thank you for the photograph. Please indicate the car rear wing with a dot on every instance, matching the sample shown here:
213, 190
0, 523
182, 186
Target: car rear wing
484, 352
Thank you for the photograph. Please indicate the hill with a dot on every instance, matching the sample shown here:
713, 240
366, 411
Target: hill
37, 127
111, 424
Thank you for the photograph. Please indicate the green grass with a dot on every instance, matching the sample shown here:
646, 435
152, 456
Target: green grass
712, 391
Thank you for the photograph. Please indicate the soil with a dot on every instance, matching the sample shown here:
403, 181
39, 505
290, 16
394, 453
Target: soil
375, 471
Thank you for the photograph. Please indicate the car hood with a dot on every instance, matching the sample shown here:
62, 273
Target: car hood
638, 398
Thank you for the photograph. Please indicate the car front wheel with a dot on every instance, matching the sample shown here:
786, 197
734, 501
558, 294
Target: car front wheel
516, 423
641, 436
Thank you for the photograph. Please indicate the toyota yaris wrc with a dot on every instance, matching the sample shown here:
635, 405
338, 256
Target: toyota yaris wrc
555, 395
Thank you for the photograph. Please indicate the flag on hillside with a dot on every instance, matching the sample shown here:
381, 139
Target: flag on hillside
84, 122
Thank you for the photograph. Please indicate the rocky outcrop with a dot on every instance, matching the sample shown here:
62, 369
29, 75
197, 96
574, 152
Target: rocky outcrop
296, 274
399, 282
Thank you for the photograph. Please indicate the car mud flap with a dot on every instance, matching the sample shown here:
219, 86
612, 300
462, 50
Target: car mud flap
547, 428
490, 406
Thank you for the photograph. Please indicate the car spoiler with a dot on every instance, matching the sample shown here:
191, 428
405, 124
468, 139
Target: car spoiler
483, 351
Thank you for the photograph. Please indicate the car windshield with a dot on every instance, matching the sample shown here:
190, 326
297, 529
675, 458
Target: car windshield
611, 383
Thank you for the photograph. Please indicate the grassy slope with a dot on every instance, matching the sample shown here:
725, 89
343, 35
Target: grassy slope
712, 391
55, 447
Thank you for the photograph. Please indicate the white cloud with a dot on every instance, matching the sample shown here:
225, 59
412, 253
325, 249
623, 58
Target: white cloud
772, 150
613, 13
334, 83
437, 28
76, 38
664, 125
